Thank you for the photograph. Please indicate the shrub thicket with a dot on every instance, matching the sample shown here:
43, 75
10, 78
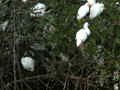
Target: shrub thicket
50, 40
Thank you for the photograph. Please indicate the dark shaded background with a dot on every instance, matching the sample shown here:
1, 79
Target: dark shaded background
50, 40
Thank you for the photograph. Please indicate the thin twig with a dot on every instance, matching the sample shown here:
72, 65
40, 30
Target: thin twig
14, 52
29, 78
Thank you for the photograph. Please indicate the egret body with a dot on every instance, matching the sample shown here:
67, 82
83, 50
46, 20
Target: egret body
28, 63
82, 11
38, 9
4, 25
82, 34
96, 10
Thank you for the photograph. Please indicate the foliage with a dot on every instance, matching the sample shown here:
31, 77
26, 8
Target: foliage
50, 40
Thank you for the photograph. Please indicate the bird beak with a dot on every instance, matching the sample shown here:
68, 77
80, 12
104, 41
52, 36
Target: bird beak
105, 8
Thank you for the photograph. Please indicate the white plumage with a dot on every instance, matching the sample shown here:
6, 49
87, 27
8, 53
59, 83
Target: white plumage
96, 10
82, 11
118, 5
91, 2
28, 63
116, 86
82, 34
24, 0
91, 6
4, 25
38, 9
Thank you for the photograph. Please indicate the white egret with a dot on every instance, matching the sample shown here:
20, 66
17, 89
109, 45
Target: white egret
24, 1
28, 63
38, 9
91, 2
82, 34
96, 10
4, 25
116, 86
118, 5
82, 11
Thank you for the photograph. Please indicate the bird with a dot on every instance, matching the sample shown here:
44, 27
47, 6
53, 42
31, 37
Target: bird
28, 63
4, 25
82, 35
96, 10
24, 1
38, 10
117, 5
92, 7
83, 11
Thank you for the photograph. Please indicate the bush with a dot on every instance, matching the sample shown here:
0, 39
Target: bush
50, 40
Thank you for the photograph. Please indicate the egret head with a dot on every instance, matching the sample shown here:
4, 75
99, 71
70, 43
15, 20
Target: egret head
86, 25
87, 4
87, 30
102, 5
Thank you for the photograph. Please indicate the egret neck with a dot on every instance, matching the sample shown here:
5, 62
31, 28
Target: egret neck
86, 28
